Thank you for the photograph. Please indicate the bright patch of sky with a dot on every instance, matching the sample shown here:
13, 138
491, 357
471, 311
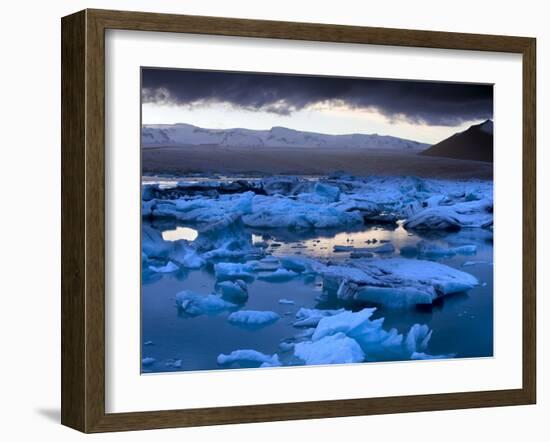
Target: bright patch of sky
321, 118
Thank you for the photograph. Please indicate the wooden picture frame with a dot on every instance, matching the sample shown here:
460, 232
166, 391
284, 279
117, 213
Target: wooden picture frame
83, 220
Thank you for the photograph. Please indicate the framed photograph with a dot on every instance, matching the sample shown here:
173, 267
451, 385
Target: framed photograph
269, 220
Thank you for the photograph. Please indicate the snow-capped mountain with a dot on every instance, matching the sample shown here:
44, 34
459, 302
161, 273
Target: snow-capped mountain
156, 135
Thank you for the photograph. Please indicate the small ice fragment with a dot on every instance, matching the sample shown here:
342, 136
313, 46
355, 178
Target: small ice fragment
286, 346
248, 358
339, 249
235, 291
147, 361
148, 343
286, 301
168, 268
360, 254
278, 275
228, 270
384, 248
418, 337
425, 356
309, 317
195, 304
253, 318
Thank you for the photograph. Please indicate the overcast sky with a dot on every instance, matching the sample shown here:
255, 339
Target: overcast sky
422, 111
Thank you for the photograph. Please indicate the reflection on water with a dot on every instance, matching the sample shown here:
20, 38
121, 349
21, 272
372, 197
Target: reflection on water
178, 233
462, 324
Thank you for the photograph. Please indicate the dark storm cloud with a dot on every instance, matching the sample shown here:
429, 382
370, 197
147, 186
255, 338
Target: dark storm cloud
418, 102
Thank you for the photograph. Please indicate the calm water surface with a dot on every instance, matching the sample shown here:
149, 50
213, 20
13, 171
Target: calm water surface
462, 324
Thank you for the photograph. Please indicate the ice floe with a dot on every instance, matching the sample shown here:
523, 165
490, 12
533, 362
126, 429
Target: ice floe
170, 267
333, 349
253, 318
235, 291
196, 304
248, 358
397, 282
278, 275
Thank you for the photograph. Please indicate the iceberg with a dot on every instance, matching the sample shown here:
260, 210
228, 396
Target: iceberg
417, 338
196, 304
232, 271
369, 334
466, 214
168, 268
253, 318
310, 317
248, 358
186, 256
235, 291
334, 349
278, 275
415, 281
282, 212
267, 264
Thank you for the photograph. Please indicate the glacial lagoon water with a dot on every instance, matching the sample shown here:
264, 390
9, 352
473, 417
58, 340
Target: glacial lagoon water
462, 323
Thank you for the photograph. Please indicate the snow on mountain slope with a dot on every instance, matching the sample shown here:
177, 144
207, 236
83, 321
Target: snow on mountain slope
156, 135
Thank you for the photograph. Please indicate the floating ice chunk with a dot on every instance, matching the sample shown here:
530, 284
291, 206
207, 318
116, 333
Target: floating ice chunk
285, 185
298, 264
174, 363
147, 361
253, 318
267, 264
430, 277
473, 263
152, 243
383, 248
186, 256
286, 346
369, 334
339, 249
275, 212
453, 217
425, 356
360, 254
286, 301
417, 338
235, 291
147, 208
168, 268
278, 275
469, 249
334, 349
328, 192
392, 297
433, 251
232, 271
248, 358
310, 317
196, 304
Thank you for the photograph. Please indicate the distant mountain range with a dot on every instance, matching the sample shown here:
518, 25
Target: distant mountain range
157, 135
475, 143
